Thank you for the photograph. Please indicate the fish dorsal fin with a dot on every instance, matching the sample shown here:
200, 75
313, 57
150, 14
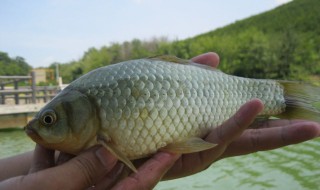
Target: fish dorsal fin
190, 145
170, 58
203, 66
114, 151
174, 59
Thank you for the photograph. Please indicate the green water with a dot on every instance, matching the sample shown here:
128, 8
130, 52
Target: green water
295, 167
14, 141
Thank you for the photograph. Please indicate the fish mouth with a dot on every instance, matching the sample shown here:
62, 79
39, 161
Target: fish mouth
32, 133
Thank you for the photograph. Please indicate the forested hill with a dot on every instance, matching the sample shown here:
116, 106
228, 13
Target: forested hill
283, 43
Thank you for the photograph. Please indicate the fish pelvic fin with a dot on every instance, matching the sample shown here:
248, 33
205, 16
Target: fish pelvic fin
114, 151
302, 101
191, 145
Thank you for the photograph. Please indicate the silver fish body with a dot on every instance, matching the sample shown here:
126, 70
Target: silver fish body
146, 104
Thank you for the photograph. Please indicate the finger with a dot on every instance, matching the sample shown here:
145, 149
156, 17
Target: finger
254, 140
234, 126
212, 59
42, 158
150, 173
118, 173
274, 123
87, 168
79, 173
64, 157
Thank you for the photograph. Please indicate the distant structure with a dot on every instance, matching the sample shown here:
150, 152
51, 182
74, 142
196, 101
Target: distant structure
43, 75
22, 96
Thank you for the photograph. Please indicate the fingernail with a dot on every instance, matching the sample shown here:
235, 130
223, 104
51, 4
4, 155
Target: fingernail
105, 157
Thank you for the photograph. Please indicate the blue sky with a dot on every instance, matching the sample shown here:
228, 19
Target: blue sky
45, 31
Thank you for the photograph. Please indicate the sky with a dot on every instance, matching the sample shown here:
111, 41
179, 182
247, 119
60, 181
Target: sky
47, 31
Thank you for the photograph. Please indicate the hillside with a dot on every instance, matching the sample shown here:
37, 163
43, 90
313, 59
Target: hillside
281, 44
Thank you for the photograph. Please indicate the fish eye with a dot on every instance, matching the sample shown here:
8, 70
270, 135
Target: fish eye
48, 117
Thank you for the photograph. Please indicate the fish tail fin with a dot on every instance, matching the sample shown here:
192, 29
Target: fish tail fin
302, 101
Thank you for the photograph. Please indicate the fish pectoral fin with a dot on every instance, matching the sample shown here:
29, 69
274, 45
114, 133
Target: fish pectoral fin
191, 145
110, 146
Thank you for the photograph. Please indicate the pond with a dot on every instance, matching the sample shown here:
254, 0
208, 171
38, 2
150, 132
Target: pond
294, 167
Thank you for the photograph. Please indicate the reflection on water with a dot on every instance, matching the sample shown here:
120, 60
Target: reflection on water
295, 167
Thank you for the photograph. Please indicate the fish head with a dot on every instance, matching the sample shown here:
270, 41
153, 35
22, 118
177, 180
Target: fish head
67, 123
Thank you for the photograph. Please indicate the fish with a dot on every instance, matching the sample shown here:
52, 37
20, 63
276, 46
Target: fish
138, 107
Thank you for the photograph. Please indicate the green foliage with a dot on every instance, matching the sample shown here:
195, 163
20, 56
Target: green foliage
104, 56
49, 83
279, 44
13, 66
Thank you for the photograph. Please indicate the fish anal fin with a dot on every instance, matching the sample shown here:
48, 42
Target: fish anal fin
191, 145
118, 154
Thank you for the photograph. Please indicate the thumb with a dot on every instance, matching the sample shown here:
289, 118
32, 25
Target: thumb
84, 170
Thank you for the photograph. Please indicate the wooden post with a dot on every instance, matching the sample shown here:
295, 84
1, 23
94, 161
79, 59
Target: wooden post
45, 93
3, 101
16, 95
33, 87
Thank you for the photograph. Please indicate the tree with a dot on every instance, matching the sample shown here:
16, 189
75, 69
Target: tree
13, 66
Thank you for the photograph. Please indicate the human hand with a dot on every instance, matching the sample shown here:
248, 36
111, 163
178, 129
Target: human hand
95, 166
234, 139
